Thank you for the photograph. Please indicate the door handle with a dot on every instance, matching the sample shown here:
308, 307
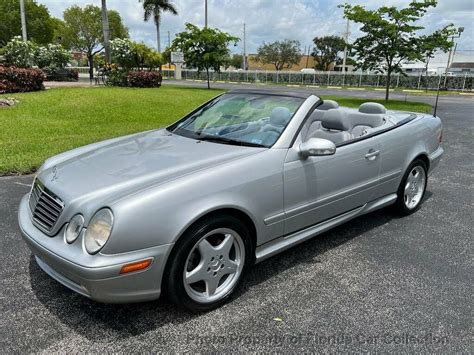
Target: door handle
372, 154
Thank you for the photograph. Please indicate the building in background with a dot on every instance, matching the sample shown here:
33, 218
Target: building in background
305, 62
462, 68
462, 62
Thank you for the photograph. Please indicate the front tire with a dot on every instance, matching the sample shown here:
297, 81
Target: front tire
412, 188
208, 262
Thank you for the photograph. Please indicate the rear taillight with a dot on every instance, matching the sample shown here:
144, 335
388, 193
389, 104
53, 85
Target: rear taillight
440, 136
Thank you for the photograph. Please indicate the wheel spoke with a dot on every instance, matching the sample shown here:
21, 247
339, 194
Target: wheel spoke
206, 249
226, 245
211, 285
416, 175
197, 274
407, 187
230, 268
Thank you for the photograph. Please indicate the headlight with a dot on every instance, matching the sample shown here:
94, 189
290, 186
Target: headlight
98, 231
74, 228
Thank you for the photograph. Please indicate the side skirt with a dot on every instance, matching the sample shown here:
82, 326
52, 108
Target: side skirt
276, 246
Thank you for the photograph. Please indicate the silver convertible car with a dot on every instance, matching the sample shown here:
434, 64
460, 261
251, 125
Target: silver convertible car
188, 209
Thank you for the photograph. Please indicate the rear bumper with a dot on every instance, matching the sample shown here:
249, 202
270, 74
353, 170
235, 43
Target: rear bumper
102, 281
435, 158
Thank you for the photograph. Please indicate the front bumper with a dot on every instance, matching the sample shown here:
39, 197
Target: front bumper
94, 276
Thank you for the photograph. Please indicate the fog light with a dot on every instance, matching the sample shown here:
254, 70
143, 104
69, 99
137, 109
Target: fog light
136, 266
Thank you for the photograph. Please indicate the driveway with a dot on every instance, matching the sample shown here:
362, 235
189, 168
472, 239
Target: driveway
378, 283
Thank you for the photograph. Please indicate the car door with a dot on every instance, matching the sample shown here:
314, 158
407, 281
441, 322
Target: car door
318, 188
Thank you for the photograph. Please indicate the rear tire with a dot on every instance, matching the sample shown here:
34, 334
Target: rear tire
412, 188
208, 262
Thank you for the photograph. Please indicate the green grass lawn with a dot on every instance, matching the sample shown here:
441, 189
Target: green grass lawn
49, 122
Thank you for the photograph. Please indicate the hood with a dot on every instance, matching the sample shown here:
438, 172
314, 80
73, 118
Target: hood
132, 163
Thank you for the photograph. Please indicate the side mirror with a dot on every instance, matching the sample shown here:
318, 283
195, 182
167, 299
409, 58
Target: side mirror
317, 147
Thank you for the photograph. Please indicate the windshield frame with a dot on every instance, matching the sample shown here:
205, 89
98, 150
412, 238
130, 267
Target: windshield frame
173, 128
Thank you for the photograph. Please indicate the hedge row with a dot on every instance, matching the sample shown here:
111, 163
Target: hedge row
14, 79
144, 79
139, 79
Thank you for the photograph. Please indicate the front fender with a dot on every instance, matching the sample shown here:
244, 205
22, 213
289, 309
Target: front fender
159, 215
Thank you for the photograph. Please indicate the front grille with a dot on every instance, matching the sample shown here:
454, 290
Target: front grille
45, 206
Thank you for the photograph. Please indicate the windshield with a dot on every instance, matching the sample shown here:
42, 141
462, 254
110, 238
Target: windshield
241, 119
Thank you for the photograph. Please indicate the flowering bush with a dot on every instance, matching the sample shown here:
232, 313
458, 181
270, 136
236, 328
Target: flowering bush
128, 55
53, 55
144, 79
122, 52
20, 79
19, 53
22, 54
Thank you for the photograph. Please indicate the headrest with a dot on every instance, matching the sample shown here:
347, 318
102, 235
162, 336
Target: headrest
317, 115
336, 119
319, 112
365, 119
372, 107
327, 105
280, 116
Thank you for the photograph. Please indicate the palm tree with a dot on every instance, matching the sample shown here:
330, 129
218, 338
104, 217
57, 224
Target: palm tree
153, 9
106, 30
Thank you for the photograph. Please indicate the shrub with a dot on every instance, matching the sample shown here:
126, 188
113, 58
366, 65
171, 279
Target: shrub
61, 74
122, 52
145, 57
19, 53
144, 79
20, 79
128, 54
53, 55
117, 77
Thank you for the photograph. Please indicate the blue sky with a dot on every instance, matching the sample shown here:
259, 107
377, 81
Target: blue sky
269, 20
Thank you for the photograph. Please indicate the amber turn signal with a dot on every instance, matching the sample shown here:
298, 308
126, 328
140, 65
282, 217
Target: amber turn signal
136, 266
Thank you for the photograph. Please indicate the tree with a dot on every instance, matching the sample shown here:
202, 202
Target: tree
153, 9
437, 41
236, 61
166, 55
83, 30
326, 50
39, 23
349, 61
390, 36
106, 30
282, 54
59, 28
204, 48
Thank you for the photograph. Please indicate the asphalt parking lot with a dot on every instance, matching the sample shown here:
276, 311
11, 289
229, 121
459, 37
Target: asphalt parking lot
378, 283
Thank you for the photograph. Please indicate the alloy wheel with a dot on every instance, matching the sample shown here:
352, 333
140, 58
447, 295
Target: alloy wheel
414, 187
214, 265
